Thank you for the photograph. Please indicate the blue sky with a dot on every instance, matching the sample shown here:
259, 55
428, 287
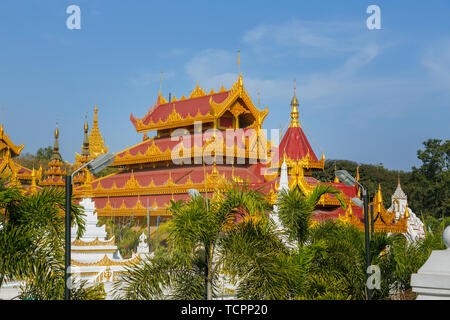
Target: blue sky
371, 96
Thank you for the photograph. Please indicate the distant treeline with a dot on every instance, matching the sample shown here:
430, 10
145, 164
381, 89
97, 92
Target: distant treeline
427, 187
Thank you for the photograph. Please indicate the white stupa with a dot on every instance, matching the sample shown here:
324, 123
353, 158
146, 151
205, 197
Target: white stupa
415, 228
95, 258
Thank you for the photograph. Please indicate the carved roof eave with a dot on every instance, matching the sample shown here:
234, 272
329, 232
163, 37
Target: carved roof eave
9, 163
237, 91
174, 120
14, 148
154, 154
133, 188
384, 221
93, 243
105, 261
306, 162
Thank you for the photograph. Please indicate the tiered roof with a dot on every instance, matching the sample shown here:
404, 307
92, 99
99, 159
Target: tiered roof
56, 172
17, 173
149, 177
96, 142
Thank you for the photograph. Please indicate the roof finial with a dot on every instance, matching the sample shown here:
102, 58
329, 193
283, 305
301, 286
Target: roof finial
336, 179
56, 155
294, 110
85, 147
239, 61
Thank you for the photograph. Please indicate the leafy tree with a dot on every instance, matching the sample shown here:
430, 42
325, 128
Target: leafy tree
338, 268
44, 153
430, 183
295, 210
32, 242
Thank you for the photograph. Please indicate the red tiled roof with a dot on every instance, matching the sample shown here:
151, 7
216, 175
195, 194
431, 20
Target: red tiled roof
295, 145
323, 214
188, 141
179, 175
183, 107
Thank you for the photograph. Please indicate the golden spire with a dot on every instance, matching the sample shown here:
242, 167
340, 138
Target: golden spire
85, 147
294, 109
33, 181
357, 174
96, 143
56, 155
336, 179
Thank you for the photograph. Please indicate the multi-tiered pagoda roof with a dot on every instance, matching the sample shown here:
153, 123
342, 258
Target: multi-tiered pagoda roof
164, 167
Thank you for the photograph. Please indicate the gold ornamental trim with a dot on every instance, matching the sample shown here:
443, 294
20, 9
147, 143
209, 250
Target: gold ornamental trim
105, 261
95, 242
132, 187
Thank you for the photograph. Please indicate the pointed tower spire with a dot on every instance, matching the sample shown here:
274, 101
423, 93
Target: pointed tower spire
357, 178
85, 147
294, 108
96, 142
336, 179
56, 155
399, 193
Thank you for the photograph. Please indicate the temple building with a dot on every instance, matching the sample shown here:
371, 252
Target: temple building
56, 172
162, 168
10, 169
174, 160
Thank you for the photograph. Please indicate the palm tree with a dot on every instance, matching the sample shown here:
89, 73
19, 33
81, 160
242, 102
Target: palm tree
295, 210
192, 265
261, 264
32, 241
338, 266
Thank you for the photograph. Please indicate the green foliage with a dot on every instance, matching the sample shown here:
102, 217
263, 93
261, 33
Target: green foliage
295, 210
190, 267
338, 267
167, 275
107, 171
371, 177
40, 159
429, 186
44, 153
31, 241
258, 262
126, 232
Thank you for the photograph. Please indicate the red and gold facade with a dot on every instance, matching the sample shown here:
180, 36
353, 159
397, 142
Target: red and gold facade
165, 166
